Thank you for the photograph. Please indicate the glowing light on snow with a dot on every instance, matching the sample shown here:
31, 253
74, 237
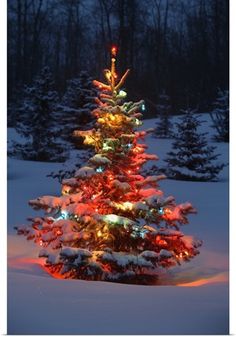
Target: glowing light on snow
220, 278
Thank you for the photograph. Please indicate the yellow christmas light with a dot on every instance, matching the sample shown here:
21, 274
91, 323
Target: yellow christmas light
124, 206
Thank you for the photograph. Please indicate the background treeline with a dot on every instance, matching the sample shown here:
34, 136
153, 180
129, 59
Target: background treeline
179, 46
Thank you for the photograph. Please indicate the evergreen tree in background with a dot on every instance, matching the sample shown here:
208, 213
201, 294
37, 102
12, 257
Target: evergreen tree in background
220, 116
111, 223
163, 128
13, 108
37, 122
76, 106
191, 158
74, 111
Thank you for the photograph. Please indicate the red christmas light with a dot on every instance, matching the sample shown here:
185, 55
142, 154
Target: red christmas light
158, 238
113, 50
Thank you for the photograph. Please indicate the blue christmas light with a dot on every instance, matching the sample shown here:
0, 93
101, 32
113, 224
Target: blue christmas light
143, 233
63, 215
99, 169
161, 210
143, 108
128, 146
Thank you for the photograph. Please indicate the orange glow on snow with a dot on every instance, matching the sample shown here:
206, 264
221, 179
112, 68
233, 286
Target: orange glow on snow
220, 278
18, 263
28, 263
192, 278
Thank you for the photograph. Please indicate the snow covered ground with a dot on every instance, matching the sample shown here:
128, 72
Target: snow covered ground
193, 301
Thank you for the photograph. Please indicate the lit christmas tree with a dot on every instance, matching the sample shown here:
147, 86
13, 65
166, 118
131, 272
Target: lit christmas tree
111, 223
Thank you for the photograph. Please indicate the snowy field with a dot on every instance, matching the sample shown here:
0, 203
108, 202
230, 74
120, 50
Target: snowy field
193, 301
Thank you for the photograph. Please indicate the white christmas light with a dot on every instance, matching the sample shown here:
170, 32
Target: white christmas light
122, 93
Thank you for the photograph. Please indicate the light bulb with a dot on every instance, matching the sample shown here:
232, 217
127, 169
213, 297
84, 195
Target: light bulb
122, 93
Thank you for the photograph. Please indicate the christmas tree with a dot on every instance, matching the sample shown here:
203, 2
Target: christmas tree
220, 116
191, 158
164, 126
37, 121
111, 223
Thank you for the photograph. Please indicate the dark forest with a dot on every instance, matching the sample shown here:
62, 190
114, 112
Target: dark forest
176, 46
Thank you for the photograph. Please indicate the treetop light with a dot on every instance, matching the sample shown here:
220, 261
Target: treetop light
113, 50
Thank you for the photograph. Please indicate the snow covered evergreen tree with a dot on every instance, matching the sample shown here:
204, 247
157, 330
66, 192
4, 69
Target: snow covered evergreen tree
111, 223
37, 122
220, 116
164, 125
191, 158
74, 110
13, 105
